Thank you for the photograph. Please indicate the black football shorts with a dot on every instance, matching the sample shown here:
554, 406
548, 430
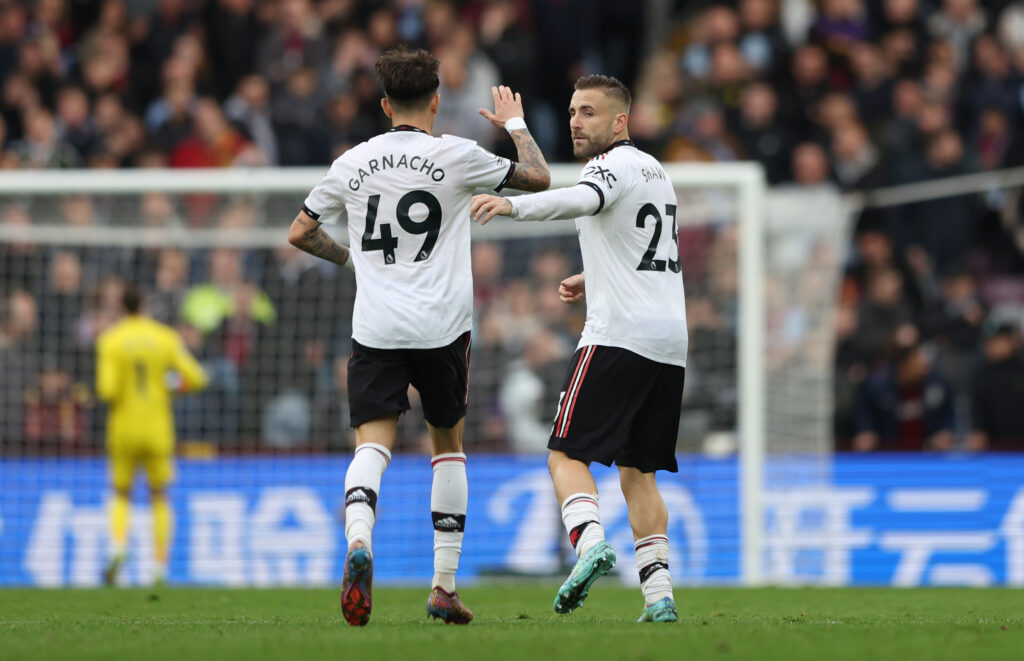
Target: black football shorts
619, 406
379, 379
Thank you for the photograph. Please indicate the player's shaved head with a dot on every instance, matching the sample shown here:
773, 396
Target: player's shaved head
612, 87
409, 78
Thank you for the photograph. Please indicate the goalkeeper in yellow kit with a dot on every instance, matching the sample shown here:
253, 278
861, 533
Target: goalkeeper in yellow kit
140, 364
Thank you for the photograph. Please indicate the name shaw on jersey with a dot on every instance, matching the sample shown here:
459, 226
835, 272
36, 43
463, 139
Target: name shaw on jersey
388, 162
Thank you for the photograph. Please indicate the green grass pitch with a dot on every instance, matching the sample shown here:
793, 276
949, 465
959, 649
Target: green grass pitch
513, 622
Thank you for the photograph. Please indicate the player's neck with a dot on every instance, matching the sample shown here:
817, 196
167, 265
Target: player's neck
621, 137
421, 121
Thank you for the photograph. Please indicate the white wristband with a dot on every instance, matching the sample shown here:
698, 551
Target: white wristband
349, 265
515, 124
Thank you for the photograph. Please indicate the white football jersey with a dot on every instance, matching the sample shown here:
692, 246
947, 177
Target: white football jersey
406, 197
630, 246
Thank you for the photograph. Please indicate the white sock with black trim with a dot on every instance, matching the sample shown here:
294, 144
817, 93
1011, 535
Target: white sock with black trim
449, 496
362, 484
582, 521
652, 563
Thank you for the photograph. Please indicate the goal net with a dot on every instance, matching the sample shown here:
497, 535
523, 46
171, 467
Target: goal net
263, 451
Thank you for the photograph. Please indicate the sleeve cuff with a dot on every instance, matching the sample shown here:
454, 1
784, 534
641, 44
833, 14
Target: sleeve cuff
312, 214
508, 175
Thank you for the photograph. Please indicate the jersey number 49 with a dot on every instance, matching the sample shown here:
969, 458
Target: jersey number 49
387, 243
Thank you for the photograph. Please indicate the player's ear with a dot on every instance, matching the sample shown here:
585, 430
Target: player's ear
435, 103
621, 120
386, 107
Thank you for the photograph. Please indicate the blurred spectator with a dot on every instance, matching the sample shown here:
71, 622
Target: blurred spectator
761, 133
762, 43
856, 159
959, 22
214, 143
330, 410
528, 391
487, 261
55, 419
227, 295
807, 85
884, 311
42, 146
233, 34
168, 296
298, 120
75, 124
21, 262
20, 350
60, 306
954, 325
704, 135
1011, 26
467, 76
296, 40
249, 109
103, 309
508, 41
907, 407
810, 165
997, 413
840, 26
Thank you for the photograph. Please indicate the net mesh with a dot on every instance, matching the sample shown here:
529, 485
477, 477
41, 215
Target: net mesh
271, 327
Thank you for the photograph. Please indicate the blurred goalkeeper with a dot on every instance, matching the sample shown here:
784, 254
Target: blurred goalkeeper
140, 364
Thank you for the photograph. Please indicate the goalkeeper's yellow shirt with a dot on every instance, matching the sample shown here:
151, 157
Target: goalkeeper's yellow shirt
140, 362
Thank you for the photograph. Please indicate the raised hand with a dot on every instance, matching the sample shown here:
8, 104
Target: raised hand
485, 207
571, 290
506, 106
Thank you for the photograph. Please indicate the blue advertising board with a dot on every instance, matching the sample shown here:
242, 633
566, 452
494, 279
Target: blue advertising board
847, 520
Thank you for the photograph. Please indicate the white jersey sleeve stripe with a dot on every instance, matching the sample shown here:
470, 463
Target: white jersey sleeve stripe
600, 194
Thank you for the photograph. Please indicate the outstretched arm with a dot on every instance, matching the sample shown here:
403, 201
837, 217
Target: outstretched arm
531, 170
572, 202
307, 234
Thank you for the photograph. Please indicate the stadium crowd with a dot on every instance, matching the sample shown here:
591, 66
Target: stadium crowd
855, 94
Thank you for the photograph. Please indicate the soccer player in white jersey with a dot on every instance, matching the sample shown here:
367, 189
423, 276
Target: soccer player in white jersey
405, 196
622, 396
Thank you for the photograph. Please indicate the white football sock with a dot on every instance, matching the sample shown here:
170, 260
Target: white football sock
449, 495
652, 563
583, 522
362, 484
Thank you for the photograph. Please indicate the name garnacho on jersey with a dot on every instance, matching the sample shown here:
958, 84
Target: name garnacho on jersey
405, 196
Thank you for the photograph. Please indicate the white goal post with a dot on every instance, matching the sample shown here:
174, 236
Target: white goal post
745, 181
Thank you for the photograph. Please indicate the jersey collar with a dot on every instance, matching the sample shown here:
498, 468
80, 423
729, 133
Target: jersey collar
619, 143
406, 127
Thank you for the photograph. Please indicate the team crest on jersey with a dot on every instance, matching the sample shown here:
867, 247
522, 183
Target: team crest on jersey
598, 172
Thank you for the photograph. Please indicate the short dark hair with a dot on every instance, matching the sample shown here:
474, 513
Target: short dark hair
409, 78
131, 299
613, 87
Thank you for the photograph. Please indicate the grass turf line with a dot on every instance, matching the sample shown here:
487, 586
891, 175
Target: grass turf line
513, 622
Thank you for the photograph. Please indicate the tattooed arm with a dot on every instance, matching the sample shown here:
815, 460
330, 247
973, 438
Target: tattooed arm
531, 170
307, 234
531, 173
